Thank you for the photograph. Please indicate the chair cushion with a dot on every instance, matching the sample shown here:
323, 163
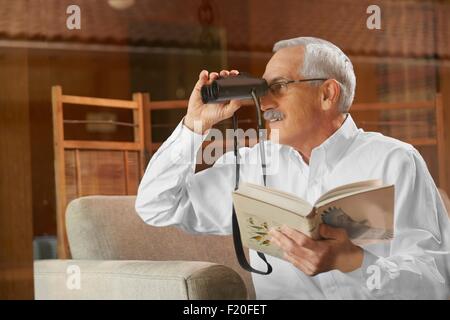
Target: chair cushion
185, 280
108, 228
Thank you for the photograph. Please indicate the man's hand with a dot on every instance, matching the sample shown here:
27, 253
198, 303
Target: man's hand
312, 257
201, 117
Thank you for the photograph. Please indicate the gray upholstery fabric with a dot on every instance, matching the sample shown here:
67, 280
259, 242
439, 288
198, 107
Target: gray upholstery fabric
136, 280
108, 228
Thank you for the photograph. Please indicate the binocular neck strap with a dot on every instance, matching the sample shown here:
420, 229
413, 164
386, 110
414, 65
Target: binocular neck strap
240, 254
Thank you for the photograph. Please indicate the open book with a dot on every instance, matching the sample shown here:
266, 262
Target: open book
365, 209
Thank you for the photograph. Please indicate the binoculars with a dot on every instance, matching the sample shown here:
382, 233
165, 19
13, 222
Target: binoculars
233, 87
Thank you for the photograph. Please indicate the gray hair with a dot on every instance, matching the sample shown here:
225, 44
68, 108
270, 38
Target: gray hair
323, 59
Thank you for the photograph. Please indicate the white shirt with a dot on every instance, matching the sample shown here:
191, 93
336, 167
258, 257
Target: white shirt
415, 264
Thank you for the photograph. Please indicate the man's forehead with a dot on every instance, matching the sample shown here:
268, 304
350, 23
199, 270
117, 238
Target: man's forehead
285, 63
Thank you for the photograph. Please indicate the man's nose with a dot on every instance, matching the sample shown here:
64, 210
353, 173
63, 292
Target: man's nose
267, 103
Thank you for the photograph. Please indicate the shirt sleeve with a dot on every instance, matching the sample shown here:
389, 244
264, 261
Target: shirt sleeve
171, 194
416, 265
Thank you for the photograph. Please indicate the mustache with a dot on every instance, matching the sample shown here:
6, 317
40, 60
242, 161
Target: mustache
273, 114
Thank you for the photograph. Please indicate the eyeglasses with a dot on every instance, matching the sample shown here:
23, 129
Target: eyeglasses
280, 87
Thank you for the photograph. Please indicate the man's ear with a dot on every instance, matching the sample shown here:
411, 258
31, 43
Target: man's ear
330, 92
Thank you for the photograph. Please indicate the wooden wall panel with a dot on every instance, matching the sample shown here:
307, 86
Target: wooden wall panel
42, 170
445, 90
366, 91
16, 255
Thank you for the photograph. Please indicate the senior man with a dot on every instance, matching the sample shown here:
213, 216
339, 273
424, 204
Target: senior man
319, 148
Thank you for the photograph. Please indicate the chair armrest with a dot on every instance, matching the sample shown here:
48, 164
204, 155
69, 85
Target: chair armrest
133, 280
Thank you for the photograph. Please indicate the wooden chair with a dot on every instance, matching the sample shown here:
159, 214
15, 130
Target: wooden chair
371, 121
87, 167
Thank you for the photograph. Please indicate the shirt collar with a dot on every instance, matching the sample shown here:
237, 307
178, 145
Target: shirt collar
332, 149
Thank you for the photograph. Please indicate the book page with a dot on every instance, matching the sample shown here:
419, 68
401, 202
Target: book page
284, 200
366, 216
349, 188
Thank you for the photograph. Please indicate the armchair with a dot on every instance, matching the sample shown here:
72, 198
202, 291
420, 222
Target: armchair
118, 256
